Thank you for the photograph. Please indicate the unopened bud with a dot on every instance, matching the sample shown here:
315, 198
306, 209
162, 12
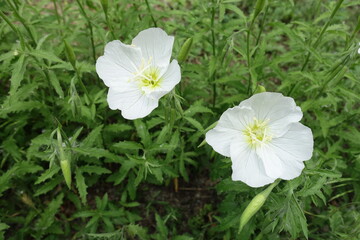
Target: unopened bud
184, 51
70, 54
105, 4
259, 6
260, 89
254, 206
66, 170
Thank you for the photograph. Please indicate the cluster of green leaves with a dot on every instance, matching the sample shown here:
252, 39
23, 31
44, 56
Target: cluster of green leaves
72, 167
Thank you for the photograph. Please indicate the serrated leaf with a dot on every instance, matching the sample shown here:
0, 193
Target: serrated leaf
55, 83
164, 134
3, 227
81, 185
136, 230
104, 236
47, 174
196, 109
96, 152
45, 55
116, 128
140, 175
143, 132
46, 187
47, 217
92, 137
195, 123
118, 177
128, 145
5, 179
94, 169
17, 74
86, 213
160, 226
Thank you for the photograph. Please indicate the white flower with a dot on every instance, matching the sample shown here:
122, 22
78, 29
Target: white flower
138, 75
263, 138
359, 49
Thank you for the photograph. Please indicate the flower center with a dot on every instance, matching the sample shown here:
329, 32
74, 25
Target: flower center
257, 133
150, 77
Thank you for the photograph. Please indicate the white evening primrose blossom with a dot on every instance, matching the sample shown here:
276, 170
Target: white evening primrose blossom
263, 138
138, 75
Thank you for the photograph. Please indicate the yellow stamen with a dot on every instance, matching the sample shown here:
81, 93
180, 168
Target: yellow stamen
257, 133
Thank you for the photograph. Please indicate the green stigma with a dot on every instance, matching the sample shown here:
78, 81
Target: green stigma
150, 78
257, 133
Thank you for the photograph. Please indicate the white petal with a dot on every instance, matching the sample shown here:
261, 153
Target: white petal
297, 144
237, 118
247, 166
143, 107
132, 102
220, 139
171, 77
274, 167
118, 64
156, 45
231, 124
292, 148
280, 111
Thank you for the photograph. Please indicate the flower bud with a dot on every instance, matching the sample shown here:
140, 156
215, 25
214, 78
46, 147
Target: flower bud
259, 6
254, 206
260, 89
66, 170
184, 51
70, 54
27, 200
105, 4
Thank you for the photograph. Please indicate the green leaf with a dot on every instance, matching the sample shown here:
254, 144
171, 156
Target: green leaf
136, 230
17, 74
49, 185
48, 174
110, 235
164, 134
45, 55
55, 83
193, 109
94, 169
118, 177
96, 152
116, 128
143, 132
195, 123
160, 226
48, 216
128, 145
81, 185
86, 213
94, 135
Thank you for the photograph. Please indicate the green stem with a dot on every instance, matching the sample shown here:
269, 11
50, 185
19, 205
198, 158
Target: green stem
149, 9
336, 70
90, 29
22, 20
213, 52
317, 42
110, 26
58, 18
250, 82
262, 24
